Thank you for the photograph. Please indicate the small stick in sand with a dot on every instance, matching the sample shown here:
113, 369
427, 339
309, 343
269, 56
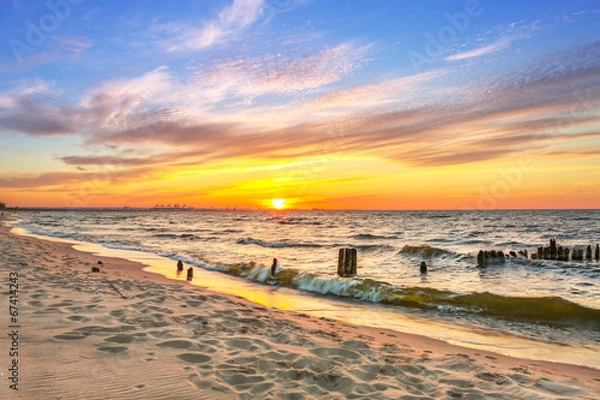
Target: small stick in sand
116, 290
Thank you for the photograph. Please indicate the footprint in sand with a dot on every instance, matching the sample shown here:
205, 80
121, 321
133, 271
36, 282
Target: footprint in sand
71, 336
354, 344
113, 349
336, 353
241, 344
78, 318
194, 358
125, 338
117, 313
177, 344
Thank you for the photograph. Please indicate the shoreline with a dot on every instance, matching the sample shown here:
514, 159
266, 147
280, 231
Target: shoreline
550, 348
190, 331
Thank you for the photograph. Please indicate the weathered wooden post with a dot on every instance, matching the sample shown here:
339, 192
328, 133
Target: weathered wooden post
588, 252
190, 273
553, 249
597, 252
346, 262
546, 253
559, 256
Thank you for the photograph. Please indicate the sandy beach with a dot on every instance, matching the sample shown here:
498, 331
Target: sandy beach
123, 333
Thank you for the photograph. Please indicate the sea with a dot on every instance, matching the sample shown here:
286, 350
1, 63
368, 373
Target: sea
532, 308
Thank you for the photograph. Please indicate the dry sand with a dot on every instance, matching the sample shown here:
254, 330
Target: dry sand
80, 339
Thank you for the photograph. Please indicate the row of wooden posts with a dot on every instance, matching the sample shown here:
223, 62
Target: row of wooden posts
346, 264
552, 252
347, 258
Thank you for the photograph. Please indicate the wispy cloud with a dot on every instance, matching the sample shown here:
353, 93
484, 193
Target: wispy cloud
405, 120
282, 74
498, 45
72, 45
230, 21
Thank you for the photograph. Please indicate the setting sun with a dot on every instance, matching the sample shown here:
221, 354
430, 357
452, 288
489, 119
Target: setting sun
278, 203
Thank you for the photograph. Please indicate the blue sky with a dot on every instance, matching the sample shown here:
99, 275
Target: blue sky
369, 94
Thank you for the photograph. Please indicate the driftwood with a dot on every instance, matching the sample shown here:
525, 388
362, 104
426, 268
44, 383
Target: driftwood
116, 290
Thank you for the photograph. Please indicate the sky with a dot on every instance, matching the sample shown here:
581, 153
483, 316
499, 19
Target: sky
323, 104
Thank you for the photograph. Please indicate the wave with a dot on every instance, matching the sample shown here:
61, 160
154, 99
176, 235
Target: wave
166, 235
424, 251
554, 311
298, 221
368, 236
119, 245
374, 247
54, 234
280, 244
185, 236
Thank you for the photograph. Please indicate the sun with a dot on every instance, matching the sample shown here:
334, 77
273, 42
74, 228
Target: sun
278, 203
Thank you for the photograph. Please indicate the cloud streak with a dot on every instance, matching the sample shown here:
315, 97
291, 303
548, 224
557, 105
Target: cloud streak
495, 47
231, 21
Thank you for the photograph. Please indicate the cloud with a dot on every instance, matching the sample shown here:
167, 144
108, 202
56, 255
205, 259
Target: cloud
231, 21
498, 45
374, 95
37, 109
36, 114
415, 120
246, 79
72, 45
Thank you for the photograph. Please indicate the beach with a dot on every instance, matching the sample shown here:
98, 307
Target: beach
123, 333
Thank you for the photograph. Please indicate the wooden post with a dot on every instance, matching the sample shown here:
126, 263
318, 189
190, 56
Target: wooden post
346, 262
353, 253
559, 256
588, 252
341, 262
480, 258
597, 252
553, 249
